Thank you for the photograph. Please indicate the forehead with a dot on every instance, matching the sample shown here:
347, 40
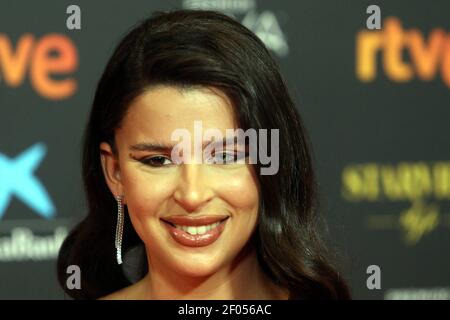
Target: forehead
163, 109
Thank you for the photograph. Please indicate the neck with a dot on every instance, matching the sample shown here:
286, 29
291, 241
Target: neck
243, 279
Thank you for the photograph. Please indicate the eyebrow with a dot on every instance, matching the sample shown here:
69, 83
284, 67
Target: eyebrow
164, 147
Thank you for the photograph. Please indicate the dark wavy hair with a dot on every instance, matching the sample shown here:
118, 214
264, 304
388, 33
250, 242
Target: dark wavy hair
186, 48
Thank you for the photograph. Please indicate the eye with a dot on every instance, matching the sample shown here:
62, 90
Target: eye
224, 157
157, 161
227, 158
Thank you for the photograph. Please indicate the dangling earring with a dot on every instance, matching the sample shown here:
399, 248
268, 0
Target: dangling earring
119, 229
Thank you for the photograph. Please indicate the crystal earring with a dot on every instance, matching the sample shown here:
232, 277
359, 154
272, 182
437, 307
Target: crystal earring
119, 229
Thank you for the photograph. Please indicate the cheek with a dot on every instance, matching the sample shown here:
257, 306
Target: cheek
145, 193
241, 191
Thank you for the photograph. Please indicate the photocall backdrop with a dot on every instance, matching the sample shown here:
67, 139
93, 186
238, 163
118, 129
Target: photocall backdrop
375, 102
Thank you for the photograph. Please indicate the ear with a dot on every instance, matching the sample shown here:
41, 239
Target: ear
111, 169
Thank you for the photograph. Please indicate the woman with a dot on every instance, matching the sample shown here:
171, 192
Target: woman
208, 231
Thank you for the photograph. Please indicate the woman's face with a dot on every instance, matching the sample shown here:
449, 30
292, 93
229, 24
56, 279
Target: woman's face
160, 188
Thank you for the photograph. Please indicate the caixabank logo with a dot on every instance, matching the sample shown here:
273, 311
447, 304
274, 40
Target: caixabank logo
19, 240
47, 64
18, 180
39, 60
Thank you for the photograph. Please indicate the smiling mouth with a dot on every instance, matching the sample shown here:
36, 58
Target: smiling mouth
196, 229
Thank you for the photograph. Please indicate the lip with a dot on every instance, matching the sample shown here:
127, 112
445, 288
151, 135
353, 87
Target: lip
194, 221
199, 240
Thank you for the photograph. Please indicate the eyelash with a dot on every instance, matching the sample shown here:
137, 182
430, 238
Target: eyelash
147, 161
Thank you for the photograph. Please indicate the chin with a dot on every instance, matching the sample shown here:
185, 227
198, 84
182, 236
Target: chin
193, 269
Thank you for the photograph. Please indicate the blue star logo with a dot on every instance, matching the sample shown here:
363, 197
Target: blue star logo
16, 178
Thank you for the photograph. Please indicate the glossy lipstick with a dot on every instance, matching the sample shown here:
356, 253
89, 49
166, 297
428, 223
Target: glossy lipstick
199, 240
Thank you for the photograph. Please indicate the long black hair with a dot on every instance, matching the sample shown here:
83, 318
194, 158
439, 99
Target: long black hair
205, 48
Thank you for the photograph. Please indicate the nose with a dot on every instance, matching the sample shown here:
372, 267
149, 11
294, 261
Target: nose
193, 188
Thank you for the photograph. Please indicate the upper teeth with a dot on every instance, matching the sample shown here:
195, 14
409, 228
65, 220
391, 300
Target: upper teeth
198, 229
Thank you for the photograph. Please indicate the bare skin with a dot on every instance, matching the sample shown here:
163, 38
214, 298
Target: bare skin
225, 269
246, 282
